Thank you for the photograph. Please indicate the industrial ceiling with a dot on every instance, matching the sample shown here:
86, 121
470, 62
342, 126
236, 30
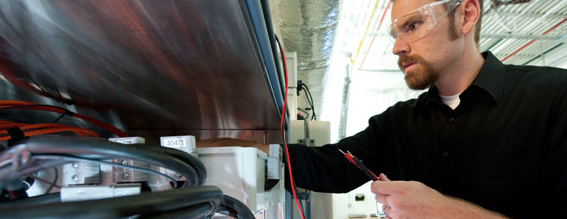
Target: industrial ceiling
520, 32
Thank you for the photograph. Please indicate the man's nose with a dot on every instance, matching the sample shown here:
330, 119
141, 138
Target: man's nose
400, 47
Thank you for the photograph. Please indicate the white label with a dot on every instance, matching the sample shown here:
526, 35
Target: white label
128, 140
183, 142
174, 143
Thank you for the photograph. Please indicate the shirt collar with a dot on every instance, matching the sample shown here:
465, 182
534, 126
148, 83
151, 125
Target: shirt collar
490, 78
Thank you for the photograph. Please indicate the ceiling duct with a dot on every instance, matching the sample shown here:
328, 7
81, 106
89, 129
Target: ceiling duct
308, 28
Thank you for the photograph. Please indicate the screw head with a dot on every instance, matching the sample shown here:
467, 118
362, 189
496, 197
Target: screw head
75, 178
125, 176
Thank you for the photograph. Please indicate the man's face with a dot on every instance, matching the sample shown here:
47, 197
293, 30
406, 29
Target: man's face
422, 61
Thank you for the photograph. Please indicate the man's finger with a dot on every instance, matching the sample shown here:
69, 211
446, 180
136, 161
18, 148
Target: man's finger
383, 177
382, 199
384, 187
386, 209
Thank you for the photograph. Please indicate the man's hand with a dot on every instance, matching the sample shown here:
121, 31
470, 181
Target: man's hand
412, 199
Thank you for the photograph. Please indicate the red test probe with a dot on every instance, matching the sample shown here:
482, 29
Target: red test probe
358, 163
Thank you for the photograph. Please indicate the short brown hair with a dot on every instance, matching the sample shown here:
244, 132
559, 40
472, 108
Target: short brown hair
478, 22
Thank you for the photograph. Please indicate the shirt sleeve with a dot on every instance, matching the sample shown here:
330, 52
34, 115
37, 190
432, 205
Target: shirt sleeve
555, 178
325, 169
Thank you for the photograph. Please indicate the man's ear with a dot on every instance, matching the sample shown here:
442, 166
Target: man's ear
470, 13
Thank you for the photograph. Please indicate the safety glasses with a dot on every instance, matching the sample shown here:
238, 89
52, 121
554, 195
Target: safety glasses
415, 24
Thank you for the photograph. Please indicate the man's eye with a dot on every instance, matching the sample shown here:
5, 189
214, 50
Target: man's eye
411, 27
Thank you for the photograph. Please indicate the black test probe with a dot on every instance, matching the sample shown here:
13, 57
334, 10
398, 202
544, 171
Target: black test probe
358, 163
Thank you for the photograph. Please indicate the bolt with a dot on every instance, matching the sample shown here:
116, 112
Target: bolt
124, 162
125, 176
75, 178
75, 165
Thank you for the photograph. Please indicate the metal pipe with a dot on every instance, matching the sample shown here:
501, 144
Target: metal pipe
532, 41
532, 24
542, 54
374, 37
517, 36
494, 44
353, 59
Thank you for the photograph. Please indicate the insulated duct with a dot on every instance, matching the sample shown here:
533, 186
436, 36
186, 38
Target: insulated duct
308, 28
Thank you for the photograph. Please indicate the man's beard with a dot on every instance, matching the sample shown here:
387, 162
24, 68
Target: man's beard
419, 78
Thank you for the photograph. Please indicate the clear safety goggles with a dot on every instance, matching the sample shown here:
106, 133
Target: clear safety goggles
415, 24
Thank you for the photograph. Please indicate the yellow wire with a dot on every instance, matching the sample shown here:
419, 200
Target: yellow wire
352, 60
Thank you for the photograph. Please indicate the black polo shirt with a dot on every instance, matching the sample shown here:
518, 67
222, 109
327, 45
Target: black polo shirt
504, 147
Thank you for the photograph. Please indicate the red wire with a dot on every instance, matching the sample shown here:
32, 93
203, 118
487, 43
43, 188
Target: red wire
283, 137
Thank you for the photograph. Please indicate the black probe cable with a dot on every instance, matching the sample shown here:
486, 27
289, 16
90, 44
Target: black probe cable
358, 163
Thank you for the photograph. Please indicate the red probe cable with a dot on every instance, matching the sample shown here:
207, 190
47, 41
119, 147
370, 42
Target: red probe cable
281, 132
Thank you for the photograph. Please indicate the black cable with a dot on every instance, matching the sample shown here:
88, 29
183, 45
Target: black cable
43, 181
67, 112
314, 117
234, 208
91, 148
41, 199
304, 111
198, 211
193, 161
310, 99
54, 181
144, 205
38, 153
81, 159
58, 118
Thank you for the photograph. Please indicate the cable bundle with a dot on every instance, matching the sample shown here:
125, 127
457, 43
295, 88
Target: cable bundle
42, 152
302, 86
48, 128
40, 129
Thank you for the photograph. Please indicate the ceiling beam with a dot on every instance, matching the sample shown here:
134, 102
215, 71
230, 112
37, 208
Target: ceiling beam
498, 36
530, 15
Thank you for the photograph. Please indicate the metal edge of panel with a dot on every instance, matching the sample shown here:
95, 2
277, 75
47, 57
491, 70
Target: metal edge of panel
266, 62
282, 75
260, 31
274, 43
